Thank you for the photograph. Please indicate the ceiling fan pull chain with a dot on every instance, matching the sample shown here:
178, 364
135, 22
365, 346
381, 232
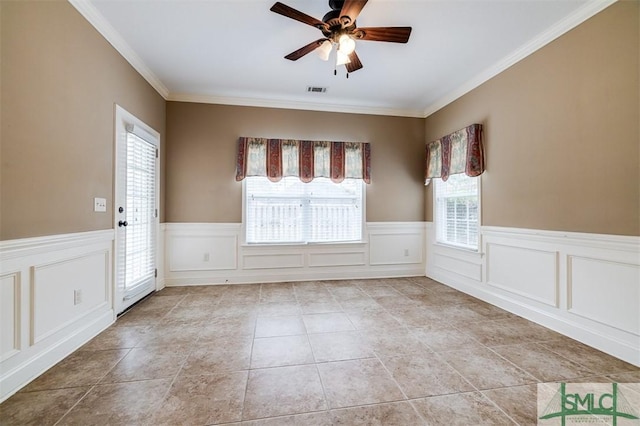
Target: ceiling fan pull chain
347, 75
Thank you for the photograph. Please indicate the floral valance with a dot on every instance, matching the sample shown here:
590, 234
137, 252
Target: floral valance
459, 152
276, 158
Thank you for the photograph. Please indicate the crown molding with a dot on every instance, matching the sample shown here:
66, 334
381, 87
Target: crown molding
578, 17
299, 105
86, 9
95, 18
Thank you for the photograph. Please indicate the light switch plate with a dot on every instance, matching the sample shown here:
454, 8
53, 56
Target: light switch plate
100, 205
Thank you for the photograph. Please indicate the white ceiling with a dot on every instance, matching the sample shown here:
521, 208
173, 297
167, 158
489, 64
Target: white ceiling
232, 51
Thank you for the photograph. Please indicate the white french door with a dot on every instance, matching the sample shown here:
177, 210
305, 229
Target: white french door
136, 209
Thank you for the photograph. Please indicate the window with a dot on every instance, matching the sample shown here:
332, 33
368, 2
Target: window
456, 207
291, 211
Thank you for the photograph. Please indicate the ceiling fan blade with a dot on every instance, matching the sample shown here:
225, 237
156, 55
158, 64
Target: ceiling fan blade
390, 34
294, 56
350, 11
355, 63
289, 12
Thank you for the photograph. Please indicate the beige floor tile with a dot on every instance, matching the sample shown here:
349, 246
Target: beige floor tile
379, 290
150, 362
203, 400
281, 351
314, 295
373, 320
408, 288
442, 338
340, 346
422, 375
220, 327
461, 409
279, 326
489, 311
347, 292
277, 295
519, 402
454, 314
135, 318
395, 413
39, 408
81, 368
226, 309
279, 308
540, 362
394, 302
394, 342
414, 316
508, 332
593, 359
358, 382
174, 334
118, 404
327, 323
363, 303
201, 301
485, 369
283, 391
228, 353
116, 338
320, 306
187, 315
321, 418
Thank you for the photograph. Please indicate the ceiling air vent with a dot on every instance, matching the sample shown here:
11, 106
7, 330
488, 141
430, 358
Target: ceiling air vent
316, 89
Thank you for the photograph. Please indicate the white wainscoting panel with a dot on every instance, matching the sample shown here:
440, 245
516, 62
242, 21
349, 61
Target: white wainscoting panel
337, 258
59, 281
272, 260
42, 319
390, 246
528, 272
605, 291
203, 252
389, 249
9, 315
586, 286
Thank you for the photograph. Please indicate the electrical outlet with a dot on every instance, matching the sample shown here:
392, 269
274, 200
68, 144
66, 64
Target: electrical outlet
406, 252
100, 205
206, 257
77, 297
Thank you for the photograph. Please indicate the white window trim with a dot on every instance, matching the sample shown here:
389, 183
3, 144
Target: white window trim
363, 238
436, 219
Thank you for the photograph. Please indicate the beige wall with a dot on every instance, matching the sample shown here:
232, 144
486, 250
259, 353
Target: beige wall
561, 131
60, 80
201, 148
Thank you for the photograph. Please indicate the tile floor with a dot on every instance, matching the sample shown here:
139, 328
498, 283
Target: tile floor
405, 351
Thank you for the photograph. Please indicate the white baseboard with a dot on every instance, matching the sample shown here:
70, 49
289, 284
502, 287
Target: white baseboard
42, 321
585, 286
209, 253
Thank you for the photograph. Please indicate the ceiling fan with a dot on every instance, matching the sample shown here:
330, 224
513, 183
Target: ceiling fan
339, 28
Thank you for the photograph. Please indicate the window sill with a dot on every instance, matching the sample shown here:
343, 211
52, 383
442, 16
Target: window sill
458, 248
297, 245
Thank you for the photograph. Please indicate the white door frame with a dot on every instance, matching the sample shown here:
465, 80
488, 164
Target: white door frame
124, 121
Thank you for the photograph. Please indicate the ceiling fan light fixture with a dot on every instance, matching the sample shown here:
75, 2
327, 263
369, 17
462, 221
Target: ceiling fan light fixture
324, 50
342, 58
347, 44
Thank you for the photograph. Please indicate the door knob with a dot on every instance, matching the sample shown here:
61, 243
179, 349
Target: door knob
122, 223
